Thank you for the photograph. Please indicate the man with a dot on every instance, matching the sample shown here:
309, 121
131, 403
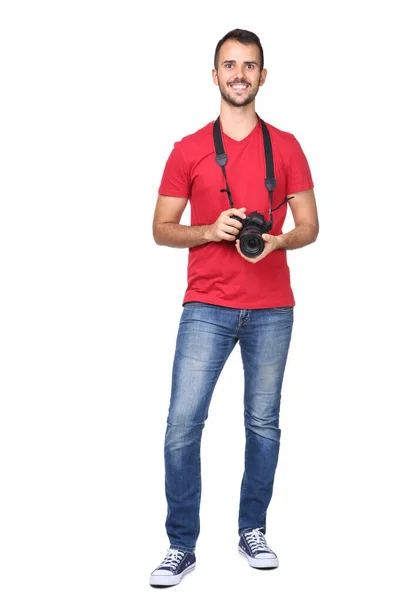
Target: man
235, 293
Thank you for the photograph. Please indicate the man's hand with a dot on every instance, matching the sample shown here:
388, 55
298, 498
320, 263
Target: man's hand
226, 228
272, 243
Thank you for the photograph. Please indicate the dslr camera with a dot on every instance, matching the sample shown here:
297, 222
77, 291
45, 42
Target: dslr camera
250, 240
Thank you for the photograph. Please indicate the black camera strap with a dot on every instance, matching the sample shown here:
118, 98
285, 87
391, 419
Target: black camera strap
222, 159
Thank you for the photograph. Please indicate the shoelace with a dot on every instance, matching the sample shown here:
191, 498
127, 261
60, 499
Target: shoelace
256, 540
172, 559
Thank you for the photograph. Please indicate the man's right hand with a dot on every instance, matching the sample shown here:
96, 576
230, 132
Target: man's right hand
226, 228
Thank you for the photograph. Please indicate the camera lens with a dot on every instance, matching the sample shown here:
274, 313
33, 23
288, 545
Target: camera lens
251, 242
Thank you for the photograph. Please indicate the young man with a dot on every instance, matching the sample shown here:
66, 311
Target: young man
238, 291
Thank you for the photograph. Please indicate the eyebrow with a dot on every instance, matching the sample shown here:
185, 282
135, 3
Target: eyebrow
246, 62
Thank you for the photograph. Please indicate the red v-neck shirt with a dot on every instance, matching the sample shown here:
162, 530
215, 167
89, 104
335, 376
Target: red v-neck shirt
217, 274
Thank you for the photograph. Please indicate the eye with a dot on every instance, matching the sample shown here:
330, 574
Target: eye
250, 66
228, 65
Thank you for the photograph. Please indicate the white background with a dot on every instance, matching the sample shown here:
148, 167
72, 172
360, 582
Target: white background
93, 96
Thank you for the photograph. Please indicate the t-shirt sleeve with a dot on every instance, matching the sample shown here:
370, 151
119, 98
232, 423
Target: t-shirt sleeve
299, 176
175, 180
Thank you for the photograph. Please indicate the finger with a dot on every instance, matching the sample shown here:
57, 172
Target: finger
227, 236
239, 250
233, 223
238, 212
232, 229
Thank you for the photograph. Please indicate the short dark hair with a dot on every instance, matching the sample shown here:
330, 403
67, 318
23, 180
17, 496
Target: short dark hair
244, 37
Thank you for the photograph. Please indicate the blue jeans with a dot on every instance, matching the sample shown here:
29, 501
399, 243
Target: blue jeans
207, 335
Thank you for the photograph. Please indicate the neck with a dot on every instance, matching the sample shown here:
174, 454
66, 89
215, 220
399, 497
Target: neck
238, 121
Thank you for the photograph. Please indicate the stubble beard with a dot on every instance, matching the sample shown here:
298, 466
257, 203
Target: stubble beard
232, 101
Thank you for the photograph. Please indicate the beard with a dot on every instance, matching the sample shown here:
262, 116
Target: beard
241, 100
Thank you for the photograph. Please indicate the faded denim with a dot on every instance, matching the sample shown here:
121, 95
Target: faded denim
207, 335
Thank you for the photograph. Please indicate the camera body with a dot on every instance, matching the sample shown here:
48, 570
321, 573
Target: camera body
250, 236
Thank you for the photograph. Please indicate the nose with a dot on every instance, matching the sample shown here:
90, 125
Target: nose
240, 72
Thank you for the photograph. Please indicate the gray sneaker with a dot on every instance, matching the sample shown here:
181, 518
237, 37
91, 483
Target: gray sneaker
253, 546
174, 566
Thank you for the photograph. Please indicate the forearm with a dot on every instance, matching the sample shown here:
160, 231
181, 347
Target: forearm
176, 235
300, 236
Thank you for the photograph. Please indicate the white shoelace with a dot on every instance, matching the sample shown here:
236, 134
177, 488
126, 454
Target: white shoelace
256, 540
172, 559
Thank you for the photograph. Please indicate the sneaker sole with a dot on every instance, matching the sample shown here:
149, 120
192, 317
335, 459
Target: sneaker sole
260, 563
166, 580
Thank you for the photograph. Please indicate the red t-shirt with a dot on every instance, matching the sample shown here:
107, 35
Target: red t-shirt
217, 274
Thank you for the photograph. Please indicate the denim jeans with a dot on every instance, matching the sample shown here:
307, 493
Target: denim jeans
207, 335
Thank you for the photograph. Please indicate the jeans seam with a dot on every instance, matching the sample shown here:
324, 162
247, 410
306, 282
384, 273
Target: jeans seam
198, 511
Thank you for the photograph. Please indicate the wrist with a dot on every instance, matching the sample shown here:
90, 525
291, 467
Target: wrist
280, 242
207, 233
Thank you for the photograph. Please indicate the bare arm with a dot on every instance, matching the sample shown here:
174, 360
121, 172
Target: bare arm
167, 230
304, 210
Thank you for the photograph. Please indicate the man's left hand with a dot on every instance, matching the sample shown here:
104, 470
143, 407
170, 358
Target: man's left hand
272, 243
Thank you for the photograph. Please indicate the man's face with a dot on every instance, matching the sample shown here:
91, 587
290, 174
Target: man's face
239, 75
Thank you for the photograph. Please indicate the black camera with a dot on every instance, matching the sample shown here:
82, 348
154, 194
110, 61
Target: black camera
250, 240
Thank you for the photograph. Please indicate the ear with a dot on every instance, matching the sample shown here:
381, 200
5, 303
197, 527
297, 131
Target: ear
215, 76
263, 76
